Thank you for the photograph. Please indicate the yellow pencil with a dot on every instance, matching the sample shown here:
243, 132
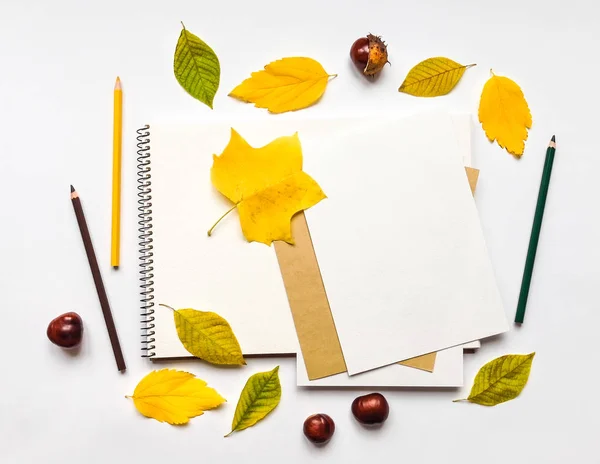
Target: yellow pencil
116, 190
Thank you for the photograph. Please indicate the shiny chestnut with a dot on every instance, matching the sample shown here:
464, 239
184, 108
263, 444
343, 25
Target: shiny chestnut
359, 52
66, 330
319, 428
369, 54
371, 409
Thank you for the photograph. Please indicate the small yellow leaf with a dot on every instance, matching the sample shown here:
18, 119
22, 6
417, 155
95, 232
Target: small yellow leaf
267, 185
501, 380
433, 77
260, 396
288, 84
174, 396
504, 114
208, 336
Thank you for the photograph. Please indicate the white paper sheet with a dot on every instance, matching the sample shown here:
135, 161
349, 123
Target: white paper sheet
448, 372
238, 280
399, 242
472, 345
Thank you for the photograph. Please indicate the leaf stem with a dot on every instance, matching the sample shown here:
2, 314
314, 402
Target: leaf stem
225, 436
219, 220
470, 65
333, 76
462, 399
182, 25
166, 306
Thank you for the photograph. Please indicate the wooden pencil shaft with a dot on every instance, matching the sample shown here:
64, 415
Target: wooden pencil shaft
91, 255
115, 248
535, 235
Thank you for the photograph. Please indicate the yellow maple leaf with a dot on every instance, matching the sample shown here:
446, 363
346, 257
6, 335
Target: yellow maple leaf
504, 114
174, 396
266, 184
288, 84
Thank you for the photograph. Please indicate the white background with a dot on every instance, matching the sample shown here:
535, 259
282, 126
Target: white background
59, 62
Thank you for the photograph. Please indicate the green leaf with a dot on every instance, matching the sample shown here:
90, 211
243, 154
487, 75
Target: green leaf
207, 336
196, 67
258, 398
501, 380
433, 77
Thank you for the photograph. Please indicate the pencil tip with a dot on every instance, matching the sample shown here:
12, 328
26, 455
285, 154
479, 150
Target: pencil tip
72, 189
116, 267
554, 138
118, 83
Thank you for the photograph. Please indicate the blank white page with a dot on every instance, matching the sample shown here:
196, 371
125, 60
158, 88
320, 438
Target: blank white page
399, 243
238, 280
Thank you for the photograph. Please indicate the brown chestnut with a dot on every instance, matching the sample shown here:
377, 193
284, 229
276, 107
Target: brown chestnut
319, 428
369, 54
66, 330
371, 409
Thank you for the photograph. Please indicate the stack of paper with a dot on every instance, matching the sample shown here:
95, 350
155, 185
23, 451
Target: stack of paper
400, 251
391, 267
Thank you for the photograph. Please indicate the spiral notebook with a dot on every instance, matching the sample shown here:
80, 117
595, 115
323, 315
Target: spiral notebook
184, 268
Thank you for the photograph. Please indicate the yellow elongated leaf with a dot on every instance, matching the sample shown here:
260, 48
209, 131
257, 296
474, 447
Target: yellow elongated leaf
208, 336
267, 186
288, 84
174, 396
196, 67
501, 380
433, 77
504, 114
260, 396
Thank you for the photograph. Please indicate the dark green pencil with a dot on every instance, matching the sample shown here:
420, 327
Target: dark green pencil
535, 231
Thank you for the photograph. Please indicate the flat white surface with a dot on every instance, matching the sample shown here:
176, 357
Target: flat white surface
59, 62
448, 372
398, 240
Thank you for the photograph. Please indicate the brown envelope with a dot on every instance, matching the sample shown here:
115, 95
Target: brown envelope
310, 308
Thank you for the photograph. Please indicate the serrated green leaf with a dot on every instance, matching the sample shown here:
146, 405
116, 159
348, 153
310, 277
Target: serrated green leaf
433, 77
501, 380
260, 396
208, 336
196, 67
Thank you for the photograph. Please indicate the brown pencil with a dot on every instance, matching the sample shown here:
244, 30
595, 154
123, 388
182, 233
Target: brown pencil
91, 255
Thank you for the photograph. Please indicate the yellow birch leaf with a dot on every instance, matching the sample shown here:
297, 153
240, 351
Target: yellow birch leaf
260, 396
266, 185
433, 77
288, 84
504, 114
174, 396
207, 336
500, 380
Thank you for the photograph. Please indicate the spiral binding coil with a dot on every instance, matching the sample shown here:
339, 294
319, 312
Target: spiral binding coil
145, 243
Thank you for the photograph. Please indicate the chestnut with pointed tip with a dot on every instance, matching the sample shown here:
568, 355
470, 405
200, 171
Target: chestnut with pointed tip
319, 428
369, 54
371, 409
66, 330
